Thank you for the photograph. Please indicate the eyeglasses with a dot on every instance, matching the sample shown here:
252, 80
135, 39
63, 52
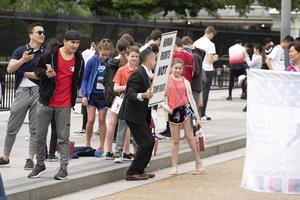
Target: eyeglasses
41, 32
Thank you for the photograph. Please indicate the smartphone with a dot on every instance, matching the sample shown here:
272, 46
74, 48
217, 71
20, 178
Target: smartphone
49, 67
30, 51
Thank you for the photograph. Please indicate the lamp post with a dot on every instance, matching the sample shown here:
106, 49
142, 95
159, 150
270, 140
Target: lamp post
285, 23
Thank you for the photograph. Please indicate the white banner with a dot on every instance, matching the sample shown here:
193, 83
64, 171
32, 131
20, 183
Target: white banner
161, 74
272, 161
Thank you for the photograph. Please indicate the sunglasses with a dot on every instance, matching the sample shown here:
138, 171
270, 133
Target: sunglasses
41, 32
106, 40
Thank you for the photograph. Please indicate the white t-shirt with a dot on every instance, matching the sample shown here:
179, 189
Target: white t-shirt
87, 54
209, 47
236, 54
277, 58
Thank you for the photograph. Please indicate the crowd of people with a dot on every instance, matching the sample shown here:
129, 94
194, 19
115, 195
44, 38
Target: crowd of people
258, 56
115, 83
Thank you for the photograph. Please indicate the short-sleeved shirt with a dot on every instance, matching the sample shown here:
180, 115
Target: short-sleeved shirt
123, 74
64, 75
209, 47
28, 66
277, 58
189, 64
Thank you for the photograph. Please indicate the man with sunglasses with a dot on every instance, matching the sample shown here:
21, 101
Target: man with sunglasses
22, 63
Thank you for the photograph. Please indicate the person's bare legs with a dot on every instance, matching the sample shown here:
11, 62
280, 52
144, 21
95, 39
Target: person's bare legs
188, 130
111, 126
91, 111
175, 136
126, 147
102, 129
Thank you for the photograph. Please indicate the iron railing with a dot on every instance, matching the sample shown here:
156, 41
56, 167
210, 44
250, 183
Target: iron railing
7, 81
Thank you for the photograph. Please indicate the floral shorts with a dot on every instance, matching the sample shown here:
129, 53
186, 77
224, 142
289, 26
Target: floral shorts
180, 114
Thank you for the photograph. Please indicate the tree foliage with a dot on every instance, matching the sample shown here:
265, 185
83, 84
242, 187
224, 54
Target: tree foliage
135, 8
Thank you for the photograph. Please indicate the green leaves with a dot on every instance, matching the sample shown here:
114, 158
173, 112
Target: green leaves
135, 8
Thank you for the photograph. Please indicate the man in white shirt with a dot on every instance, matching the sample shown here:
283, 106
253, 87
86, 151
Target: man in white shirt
276, 60
208, 46
237, 57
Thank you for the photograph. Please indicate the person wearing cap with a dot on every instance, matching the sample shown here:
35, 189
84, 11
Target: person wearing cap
60, 71
22, 63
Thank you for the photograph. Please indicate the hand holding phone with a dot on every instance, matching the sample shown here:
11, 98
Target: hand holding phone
30, 51
49, 67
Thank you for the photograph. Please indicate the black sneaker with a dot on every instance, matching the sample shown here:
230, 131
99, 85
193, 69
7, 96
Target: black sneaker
128, 157
166, 133
29, 164
229, 98
37, 171
109, 156
62, 173
4, 163
52, 158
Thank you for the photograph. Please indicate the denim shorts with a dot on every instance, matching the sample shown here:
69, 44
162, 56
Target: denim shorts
97, 101
180, 114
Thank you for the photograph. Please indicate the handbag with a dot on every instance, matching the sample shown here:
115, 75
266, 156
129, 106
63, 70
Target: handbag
200, 139
116, 105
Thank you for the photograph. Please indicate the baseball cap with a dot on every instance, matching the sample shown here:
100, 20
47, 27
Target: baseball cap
72, 35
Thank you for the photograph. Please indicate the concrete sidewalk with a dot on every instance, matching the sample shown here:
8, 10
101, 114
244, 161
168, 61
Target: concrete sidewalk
220, 181
224, 133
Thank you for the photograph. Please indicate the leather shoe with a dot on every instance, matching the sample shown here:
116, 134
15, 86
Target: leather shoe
136, 177
149, 175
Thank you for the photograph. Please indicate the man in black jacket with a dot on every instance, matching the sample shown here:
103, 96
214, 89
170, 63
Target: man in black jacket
60, 71
137, 114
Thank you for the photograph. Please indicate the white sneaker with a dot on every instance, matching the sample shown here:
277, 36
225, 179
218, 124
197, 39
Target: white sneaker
118, 160
205, 118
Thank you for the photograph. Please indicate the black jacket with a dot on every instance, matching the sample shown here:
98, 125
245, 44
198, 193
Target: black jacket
132, 109
48, 85
109, 74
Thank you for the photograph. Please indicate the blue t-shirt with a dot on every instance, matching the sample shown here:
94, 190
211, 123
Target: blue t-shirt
98, 87
28, 66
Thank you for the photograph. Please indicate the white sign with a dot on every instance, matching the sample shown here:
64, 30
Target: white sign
163, 64
272, 161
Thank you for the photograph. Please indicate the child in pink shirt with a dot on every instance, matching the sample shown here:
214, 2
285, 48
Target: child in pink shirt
180, 105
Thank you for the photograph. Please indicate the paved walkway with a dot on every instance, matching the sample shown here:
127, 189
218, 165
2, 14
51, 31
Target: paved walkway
219, 182
228, 123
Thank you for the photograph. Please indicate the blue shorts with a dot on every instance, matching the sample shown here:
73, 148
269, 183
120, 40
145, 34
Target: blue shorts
97, 101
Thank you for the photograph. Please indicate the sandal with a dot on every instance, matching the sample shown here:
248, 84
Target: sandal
198, 171
173, 172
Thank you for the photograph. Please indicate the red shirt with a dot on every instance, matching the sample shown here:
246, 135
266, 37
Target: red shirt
123, 75
64, 76
189, 64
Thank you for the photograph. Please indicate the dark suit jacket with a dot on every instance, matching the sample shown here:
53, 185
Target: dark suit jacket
132, 109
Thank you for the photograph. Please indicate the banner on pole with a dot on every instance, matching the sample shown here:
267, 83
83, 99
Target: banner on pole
272, 161
163, 64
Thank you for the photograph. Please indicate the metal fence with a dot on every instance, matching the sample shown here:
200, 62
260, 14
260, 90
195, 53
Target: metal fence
7, 81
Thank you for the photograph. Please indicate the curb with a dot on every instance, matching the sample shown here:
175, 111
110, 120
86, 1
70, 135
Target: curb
40, 189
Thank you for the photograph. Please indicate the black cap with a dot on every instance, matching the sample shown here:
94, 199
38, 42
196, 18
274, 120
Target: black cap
72, 35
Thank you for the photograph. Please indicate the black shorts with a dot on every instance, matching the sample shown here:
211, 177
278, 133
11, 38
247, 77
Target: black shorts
97, 101
180, 114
